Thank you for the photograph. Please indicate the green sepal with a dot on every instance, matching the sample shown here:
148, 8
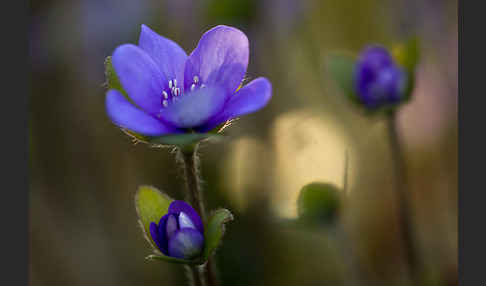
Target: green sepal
214, 230
185, 140
151, 204
407, 55
341, 67
112, 80
161, 257
318, 203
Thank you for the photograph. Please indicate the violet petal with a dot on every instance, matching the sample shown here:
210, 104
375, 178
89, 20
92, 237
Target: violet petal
154, 233
185, 221
187, 243
221, 58
195, 108
248, 99
139, 76
125, 115
169, 56
181, 206
172, 226
164, 241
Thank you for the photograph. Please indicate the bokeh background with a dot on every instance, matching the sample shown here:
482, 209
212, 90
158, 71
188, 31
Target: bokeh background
84, 171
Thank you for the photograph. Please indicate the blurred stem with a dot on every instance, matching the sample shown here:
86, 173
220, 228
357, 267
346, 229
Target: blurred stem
193, 186
403, 199
345, 176
195, 279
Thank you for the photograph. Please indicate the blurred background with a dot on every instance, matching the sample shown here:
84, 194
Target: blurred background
84, 171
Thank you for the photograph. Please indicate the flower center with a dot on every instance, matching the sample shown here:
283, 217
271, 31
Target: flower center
174, 91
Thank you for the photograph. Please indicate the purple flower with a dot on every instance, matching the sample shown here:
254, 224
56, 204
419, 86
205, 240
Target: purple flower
378, 78
180, 233
175, 93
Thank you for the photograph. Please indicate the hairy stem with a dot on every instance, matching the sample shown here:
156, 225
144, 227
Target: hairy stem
403, 200
195, 197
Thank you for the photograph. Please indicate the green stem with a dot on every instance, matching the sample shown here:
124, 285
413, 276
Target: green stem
193, 185
403, 199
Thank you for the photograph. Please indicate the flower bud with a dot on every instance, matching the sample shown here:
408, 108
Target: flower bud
180, 232
379, 80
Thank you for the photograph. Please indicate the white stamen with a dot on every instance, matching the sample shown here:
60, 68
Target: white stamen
175, 82
196, 79
165, 103
170, 84
193, 86
165, 94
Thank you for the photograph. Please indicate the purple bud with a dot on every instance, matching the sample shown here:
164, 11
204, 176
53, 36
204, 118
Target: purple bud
379, 80
180, 232
187, 243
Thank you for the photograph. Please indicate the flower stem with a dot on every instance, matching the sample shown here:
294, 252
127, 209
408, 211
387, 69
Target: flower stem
345, 176
403, 200
194, 279
207, 273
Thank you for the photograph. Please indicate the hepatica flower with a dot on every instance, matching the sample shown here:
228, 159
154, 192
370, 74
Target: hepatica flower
179, 233
170, 92
379, 80
175, 230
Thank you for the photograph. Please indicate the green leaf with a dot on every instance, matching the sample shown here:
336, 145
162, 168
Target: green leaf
112, 80
341, 67
318, 203
186, 140
151, 204
214, 230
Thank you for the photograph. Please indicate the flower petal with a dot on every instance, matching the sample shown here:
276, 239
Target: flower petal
195, 108
139, 76
169, 57
163, 240
154, 232
221, 57
126, 115
248, 99
185, 221
186, 243
172, 226
177, 207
